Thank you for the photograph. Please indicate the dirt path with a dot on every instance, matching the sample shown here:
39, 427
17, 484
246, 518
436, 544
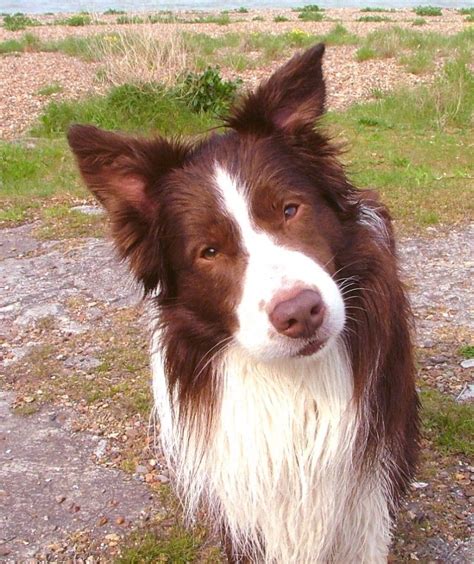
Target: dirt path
65, 305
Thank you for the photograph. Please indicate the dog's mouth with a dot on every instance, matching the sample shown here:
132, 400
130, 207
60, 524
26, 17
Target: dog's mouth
312, 347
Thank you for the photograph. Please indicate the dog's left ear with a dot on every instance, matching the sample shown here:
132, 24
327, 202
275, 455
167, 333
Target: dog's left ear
289, 101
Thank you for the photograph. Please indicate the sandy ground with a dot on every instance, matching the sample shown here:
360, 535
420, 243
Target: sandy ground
22, 76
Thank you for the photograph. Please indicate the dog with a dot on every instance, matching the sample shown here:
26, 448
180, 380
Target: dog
282, 363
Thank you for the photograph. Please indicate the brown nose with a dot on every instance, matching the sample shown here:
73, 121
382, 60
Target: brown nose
300, 316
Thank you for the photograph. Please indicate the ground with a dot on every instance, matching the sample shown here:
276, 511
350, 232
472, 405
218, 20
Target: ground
81, 477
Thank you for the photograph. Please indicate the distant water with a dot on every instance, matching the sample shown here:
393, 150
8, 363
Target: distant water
97, 6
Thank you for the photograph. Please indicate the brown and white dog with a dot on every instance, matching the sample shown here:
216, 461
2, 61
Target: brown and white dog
282, 364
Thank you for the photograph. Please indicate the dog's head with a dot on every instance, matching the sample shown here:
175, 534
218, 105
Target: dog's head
240, 236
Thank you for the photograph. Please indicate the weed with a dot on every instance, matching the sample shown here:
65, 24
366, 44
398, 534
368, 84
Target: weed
123, 20
219, 19
311, 16
339, 35
50, 89
28, 42
258, 19
207, 91
417, 63
365, 53
18, 21
465, 11
113, 12
470, 18
373, 19
449, 425
61, 222
280, 18
143, 108
427, 11
77, 20
419, 22
242, 10
308, 8
467, 351
368, 9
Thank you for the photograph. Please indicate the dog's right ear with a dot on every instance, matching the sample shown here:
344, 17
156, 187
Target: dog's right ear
126, 174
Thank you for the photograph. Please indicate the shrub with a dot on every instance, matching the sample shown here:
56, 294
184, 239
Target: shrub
280, 18
308, 8
207, 91
113, 12
311, 16
427, 11
78, 20
373, 19
18, 21
419, 21
242, 10
129, 20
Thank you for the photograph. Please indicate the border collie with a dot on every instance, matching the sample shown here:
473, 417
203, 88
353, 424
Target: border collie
282, 364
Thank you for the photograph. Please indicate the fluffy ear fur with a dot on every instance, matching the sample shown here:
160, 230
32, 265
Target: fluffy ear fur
290, 100
125, 174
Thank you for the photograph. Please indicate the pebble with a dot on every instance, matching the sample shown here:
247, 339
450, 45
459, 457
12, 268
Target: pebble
466, 394
468, 363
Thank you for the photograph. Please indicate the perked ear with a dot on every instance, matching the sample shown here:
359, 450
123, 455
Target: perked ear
125, 174
289, 101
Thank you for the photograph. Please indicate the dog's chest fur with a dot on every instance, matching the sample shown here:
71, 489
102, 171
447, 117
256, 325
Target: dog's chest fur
279, 463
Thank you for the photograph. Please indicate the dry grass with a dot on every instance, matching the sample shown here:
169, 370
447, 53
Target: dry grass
138, 57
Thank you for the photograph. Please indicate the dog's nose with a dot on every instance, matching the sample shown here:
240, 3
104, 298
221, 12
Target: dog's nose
300, 316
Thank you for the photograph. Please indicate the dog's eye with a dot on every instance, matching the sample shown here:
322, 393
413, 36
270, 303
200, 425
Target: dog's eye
290, 211
209, 253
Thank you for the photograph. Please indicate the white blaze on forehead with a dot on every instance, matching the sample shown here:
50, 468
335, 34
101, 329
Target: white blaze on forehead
272, 268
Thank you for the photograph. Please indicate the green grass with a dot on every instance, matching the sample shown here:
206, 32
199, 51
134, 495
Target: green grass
77, 20
377, 10
373, 19
449, 425
426, 178
113, 12
365, 53
419, 62
427, 11
279, 18
242, 10
18, 21
61, 222
311, 16
467, 351
419, 22
129, 20
50, 89
85, 48
308, 8
128, 107
219, 19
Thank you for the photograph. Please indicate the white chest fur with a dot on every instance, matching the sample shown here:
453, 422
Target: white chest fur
280, 468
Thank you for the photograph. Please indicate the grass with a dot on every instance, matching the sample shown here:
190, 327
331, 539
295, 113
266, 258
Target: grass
311, 16
419, 22
279, 18
368, 9
429, 11
428, 178
373, 19
449, 425
419, 62
50, 89
18, 21
144, 108
467, 351
77, 20
62, 222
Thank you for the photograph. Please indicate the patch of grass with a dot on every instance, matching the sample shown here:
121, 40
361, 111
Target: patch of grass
467, 351
144, 547
419, 22
373, 19
465, 11
29, 175
77, 20
427, 11
279, 18
311, 16
28, 42
365, 53
428, 178
449, 425
417, 63
113, 12
219, 19
124, 20
143, 108
18, 21
61, 222
339, 35
242, 10
258, 19
368, 9
50, 89
308, 8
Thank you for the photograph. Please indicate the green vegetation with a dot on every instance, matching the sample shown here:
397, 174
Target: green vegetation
207, 91
242, 10
311, 16
467, 351
425, 180
129, 20
113, 12
449, 425
143, 108
77, 20
49, 89
377, 10
419, 21
418, 62
279, 18
427, 11
18, 21
373, 19
220, 19
308, 8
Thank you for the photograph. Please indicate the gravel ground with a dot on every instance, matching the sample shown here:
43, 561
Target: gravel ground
23, 75
41, 281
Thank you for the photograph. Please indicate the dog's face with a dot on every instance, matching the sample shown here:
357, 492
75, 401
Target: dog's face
238, 236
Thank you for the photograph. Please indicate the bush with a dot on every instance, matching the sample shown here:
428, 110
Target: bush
77, 20
207, 91
18, 21
279, 18
373, 19
427, 11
